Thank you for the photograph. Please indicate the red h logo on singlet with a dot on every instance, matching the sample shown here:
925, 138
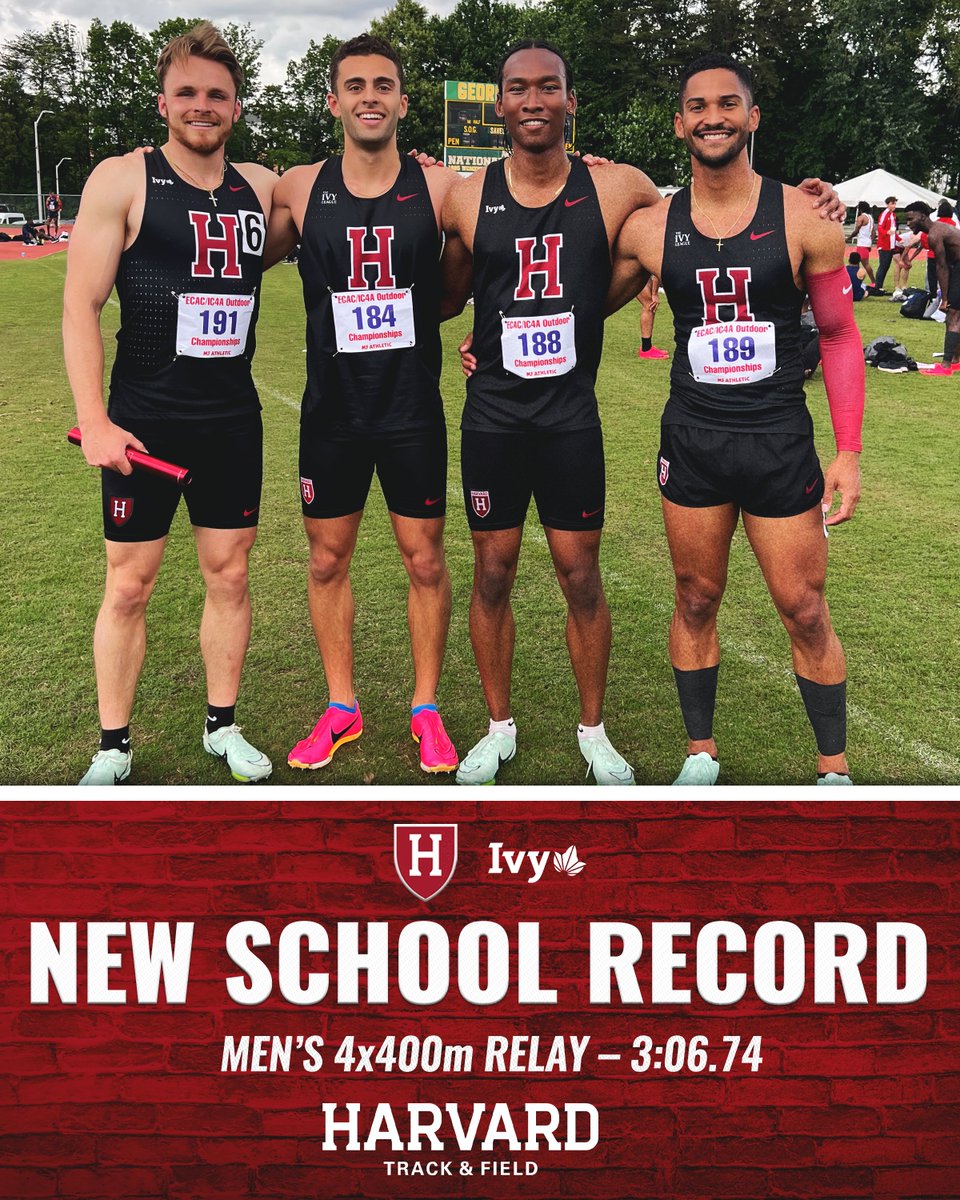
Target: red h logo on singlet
738, 297
206, 244
548, 267
360, 258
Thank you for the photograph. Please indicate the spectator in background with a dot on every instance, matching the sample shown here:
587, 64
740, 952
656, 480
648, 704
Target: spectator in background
886, 239
649, 300
863, 237
855, 274
53, 206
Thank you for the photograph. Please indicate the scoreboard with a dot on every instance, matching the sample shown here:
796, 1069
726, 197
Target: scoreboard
473, 133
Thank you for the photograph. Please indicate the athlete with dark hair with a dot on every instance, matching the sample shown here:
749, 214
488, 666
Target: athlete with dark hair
735, 254
368, 224
180, 231
943, 242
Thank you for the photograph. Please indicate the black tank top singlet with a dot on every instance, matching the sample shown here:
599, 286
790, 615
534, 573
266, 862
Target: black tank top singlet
365, 264
189, 290
531, 265
736, 314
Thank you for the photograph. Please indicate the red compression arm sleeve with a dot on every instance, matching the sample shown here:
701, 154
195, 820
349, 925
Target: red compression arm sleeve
841, 354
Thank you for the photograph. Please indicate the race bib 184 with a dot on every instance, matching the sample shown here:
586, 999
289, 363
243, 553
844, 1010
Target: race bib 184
539, 347
733, 352
213, 326
379, 320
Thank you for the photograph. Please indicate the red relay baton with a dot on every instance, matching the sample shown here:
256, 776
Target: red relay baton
146, 462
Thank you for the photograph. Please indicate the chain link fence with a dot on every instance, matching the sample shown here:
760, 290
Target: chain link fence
26, 203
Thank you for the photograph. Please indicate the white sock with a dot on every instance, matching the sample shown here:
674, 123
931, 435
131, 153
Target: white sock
585, 731
508, 727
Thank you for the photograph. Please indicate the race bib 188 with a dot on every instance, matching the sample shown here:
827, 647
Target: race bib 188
538, 347
733, 352
380, 320
213, 326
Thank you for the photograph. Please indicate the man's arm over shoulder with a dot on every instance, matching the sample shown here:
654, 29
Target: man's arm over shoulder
637, 254
111, 208
461, 207
439, 180
288, 204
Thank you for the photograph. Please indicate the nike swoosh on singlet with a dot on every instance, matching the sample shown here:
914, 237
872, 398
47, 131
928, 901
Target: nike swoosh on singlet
236, 189
848, 288
410, 197
571, 203
755, 237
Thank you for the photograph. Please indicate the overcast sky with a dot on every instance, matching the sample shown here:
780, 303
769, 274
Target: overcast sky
286, 26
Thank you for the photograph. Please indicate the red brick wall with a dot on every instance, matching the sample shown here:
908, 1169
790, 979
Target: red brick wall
129, 1101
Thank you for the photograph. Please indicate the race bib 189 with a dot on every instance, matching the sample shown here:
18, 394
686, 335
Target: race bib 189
733, 352
539, 347
213, 326
380, 320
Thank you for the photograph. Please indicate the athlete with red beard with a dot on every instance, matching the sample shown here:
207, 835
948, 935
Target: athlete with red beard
180, 232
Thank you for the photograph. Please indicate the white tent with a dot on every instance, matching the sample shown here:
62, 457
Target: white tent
876, 186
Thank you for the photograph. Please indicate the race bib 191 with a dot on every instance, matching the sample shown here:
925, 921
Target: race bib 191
380, 320
213, 326
538, 347
733, 352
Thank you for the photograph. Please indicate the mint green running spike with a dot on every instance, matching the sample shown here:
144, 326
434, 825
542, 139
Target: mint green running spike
246, 763
834, 779
484, 760
107, 767
609, 767
699, 770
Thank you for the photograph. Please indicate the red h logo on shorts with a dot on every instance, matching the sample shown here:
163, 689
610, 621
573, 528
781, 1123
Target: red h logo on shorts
738, 297
548, 267
121, 509
360, 258
207, 244
480, 502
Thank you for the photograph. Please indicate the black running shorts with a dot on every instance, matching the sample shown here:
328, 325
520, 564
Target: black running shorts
764, 474
335, 475
225, 459
563, 472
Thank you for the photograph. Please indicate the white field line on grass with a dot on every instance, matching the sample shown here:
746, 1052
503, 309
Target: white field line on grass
51, 264
928, 756
275, 394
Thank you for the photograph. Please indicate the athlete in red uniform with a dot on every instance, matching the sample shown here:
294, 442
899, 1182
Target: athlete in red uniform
181, 233
369, 231
735, 254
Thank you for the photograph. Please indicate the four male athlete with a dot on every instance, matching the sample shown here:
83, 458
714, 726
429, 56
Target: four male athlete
531, 237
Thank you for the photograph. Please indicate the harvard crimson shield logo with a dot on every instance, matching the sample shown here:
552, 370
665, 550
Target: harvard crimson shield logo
306, 490
425, 857
664, 471
481, 503
121, 509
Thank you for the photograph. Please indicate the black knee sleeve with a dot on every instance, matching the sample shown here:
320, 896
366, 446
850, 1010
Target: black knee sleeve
951, 347
697, 691
826, 705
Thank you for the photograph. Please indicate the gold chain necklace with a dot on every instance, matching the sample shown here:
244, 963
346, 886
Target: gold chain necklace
513, 193
196, 182
721, 236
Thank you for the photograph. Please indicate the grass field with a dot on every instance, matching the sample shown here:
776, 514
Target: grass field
893, 589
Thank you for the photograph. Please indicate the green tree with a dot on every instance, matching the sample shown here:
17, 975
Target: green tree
314, 131
413, 34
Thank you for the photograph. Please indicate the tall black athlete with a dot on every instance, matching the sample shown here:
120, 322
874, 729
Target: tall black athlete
536, 233
181, 232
